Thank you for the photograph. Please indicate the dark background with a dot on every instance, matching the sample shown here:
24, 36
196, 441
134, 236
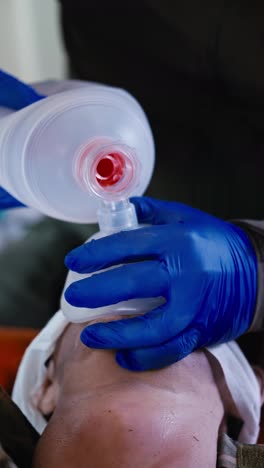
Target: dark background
197, 68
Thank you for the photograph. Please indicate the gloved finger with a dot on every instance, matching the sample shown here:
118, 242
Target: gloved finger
123, 247
151, 329
7, 201
157, 357
14, 94
153, 211
119, 284
125, 333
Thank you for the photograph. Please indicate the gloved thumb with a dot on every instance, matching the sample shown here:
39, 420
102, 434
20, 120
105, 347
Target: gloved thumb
150, 210
157, 357
153, 211
15, 94
7, 201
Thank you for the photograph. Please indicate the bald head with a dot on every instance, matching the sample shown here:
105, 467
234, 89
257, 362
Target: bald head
108, 417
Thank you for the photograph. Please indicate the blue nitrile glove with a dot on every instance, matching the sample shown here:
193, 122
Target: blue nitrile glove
204, 267
15, 95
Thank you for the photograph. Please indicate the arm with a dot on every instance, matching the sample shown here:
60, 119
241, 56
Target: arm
255, 231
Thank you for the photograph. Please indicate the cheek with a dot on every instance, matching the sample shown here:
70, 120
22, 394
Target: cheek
196, 440
181, 434
198, 453
55, 448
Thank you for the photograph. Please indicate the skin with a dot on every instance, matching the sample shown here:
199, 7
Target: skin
107, 417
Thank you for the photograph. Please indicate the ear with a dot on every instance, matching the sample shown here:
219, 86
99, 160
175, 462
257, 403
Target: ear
46, 397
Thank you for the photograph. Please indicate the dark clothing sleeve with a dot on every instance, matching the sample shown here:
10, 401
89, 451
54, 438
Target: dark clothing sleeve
232, 454
17, 436
255, 231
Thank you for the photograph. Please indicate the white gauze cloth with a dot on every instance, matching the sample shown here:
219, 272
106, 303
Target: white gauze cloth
240, 378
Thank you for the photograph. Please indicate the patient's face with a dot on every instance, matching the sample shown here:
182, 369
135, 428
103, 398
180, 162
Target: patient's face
107, 417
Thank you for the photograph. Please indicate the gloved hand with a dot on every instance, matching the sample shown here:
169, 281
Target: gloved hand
15, 95
204, 267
